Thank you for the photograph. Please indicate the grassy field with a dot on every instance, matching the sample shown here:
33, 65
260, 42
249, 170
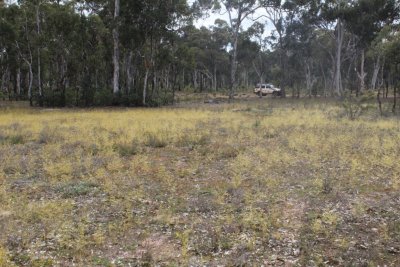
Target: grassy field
260, 183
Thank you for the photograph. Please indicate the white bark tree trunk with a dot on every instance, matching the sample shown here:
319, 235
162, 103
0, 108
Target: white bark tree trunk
310, 79
115, 34
362, 74
234, 64
376, 72
18, 77
129, 78
337, 82
195, 84
214, 80
146, 77
38, 53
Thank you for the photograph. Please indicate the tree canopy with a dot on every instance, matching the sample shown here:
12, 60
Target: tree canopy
103, 52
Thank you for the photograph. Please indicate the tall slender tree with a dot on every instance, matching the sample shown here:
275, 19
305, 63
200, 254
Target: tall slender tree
115, 34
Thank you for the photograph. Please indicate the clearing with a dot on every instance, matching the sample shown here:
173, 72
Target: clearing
264, 183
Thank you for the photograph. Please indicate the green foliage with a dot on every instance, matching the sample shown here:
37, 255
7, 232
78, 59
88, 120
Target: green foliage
75, 48
103, 97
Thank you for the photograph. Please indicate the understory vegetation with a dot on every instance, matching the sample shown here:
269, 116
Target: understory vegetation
271, 182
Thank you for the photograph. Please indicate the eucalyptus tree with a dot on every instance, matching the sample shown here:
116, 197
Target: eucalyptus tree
238, 11
331, 14
365, 19
208, 47
300, 40
221, 39
8, 35
35, 17
390, 45
19, 47
259, 62
115, 33
158, 21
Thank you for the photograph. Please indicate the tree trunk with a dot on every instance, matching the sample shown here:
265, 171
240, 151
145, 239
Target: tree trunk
18, 83
376, 72
30, 84
182, 85
234, 64
115, 34
39, 57
8, 90
394, 99
337, 82
293, 91
298, 91
395, 84
310, 79
146, 77
129, 78
166, 78
3, 82
259, 72
324, 77
361, 75
215, 78
283, 67
387, 84
195, 84
62, 84
175, 73
379, 101
154, 86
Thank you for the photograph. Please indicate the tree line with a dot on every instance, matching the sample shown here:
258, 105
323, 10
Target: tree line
120, 52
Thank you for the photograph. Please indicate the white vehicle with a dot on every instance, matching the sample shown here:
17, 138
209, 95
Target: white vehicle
266, 89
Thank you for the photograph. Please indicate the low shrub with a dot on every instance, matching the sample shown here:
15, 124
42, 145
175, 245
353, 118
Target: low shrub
16, 139
49, 135
76, 189
126, 149
192, 140
156, 140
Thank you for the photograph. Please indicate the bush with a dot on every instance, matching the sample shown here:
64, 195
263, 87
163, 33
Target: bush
103, 97
162, 100
356, 106
48, 135
227, 151
126, 149
16, 139
13, 139
156, 140
191, 140
76, 189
